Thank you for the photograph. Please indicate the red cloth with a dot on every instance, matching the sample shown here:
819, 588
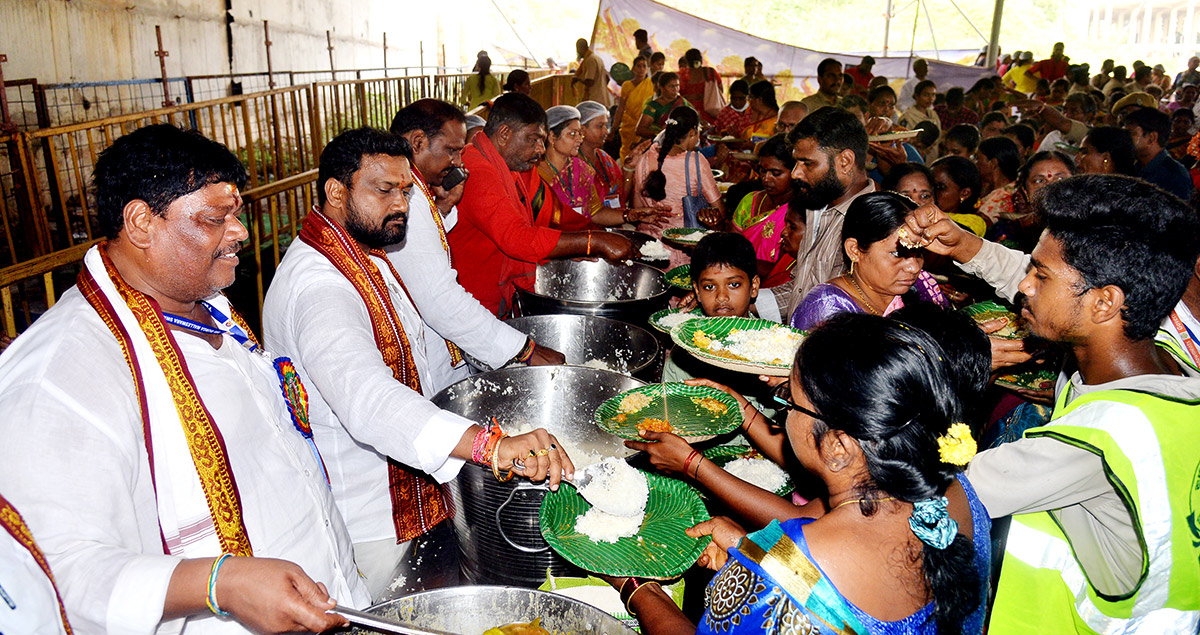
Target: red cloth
862, 78
949, 120
1049, 69
781, 272
496, 241
691, 88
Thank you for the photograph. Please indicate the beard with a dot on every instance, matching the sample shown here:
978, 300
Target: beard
378, 236
818, 195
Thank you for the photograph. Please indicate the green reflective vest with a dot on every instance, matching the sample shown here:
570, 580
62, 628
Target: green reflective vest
1150, 448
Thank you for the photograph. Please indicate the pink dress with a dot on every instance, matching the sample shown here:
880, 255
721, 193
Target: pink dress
676, 189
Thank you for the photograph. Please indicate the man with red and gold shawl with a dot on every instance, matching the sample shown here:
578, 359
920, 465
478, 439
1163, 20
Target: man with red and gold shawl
342, 313
159, 455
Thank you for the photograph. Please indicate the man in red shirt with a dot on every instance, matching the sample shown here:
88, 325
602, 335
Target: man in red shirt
1051, 68
498, 240
862, 73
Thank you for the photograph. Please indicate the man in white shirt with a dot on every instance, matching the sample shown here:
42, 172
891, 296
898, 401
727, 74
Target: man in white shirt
436, 131
140, 450
345, 317
906, 99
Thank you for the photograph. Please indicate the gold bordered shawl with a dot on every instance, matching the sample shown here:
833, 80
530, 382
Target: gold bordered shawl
418, 502
12, 521
204, 440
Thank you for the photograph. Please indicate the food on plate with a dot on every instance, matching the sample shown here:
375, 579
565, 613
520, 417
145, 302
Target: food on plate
758, 471
532, 628
671, 320
623, 491
618, 488
633, 402
713, 405
655, 425
773, 345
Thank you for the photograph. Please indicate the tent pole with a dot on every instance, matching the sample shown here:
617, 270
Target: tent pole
887, 26
932, 35
993, 49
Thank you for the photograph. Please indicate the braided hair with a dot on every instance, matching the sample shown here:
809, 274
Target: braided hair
681, 121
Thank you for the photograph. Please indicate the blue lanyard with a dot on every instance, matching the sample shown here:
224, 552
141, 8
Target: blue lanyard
225, 326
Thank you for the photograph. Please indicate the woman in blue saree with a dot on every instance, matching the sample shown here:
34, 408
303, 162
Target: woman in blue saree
903, 546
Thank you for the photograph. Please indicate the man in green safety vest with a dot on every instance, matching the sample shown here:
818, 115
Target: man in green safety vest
1105, 498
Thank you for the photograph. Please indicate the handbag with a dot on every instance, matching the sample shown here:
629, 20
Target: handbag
692, 203
714, 96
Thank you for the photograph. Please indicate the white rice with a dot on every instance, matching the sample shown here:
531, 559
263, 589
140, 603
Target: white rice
597, 364
655, 250
671, 320
618, 488
695, 235
761, 472
774, 345
601, 526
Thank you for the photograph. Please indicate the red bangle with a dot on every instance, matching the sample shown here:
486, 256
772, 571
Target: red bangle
687, 463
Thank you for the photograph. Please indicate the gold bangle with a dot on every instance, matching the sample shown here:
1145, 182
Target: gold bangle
632, 594
496, 462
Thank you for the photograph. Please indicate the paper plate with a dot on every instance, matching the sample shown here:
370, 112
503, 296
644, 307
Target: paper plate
990, 310
718, 174
685, 235
688, 416
680, 277
719, 328
1031, 380
723, 455
893, 136
660, 550
656, 318
725, 139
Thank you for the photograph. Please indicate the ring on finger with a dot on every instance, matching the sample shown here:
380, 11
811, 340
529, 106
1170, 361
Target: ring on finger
542, 452
532, 453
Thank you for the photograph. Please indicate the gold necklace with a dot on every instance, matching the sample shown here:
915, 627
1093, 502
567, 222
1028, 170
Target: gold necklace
863, 500
863, 296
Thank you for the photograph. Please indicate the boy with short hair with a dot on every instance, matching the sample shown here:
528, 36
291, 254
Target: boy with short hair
725, 280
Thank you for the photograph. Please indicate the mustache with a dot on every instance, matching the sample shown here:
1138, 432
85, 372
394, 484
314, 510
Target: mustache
231, 250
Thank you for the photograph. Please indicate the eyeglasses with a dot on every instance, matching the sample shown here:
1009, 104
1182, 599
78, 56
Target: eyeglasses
782, 395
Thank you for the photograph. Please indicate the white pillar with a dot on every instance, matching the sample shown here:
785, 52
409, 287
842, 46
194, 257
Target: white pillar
1189, 31
1147, 22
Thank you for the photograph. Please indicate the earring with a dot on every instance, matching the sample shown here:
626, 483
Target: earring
852, 261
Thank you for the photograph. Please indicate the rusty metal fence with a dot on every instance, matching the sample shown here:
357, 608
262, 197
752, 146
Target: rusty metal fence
48, 212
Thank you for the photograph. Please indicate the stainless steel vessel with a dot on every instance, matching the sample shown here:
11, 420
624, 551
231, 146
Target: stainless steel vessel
627, 292
497, 523
620, 346
471, 610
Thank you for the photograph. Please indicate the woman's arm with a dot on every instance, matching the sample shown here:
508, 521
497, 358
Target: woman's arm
646, 127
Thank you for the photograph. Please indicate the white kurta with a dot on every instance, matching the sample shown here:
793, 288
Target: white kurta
74, 462
360, 414
27, 602
448, 309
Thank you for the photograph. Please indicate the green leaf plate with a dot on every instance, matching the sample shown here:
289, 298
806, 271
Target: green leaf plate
990, 310
723, 455
685, 235
660, 550
673, 402
657, 317
1031, 380
719, 328
680, 277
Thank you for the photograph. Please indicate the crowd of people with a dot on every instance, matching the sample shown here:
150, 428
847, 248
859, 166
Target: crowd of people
168, 470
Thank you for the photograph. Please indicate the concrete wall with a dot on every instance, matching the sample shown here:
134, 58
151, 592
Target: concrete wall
100, 40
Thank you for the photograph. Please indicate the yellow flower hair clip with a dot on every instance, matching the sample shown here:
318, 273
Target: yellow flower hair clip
957, 446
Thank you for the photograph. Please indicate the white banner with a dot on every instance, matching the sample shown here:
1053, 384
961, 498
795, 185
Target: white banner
793, 69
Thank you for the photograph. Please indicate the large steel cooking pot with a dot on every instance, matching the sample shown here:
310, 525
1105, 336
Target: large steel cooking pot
471, 610
627, 292
618, 345
496, 523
